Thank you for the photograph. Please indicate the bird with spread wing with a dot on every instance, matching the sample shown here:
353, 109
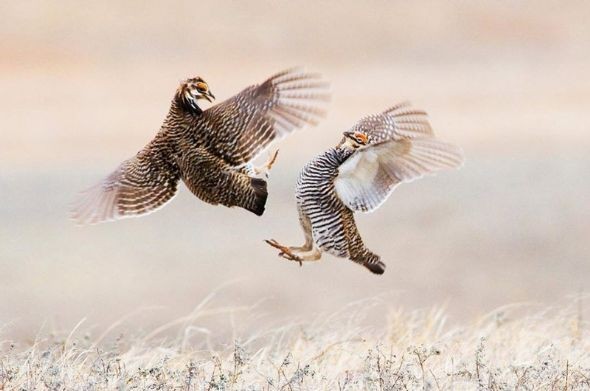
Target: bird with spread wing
210, 150
358, 175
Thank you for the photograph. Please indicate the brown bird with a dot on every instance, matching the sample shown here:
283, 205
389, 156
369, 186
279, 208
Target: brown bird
210, 150
358, 175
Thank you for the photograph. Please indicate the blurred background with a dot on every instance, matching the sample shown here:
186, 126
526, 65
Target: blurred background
84, 85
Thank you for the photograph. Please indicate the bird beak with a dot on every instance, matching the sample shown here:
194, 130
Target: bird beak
209, 96
348, 134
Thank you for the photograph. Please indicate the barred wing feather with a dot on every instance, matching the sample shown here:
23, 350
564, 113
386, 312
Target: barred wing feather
137, 187
247, 123
398, 122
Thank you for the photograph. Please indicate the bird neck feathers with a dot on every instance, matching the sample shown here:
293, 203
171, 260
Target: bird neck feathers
342, 151
186, 103
346, 145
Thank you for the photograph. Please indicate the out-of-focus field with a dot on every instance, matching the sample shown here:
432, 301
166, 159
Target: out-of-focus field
514, 348
84, 86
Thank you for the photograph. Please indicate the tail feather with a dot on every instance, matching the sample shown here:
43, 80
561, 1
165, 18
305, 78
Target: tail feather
257, 203
371, 261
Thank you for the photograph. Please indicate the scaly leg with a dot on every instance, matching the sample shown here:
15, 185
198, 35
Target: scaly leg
306, 226
287, 253
307, 252
312, 255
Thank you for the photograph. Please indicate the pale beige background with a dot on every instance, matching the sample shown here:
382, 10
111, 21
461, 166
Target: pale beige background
83, 85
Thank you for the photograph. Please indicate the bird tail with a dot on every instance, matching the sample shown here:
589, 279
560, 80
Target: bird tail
371, 261
257, 202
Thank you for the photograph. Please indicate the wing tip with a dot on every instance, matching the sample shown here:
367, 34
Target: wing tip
93, 206
297, 75
397, 106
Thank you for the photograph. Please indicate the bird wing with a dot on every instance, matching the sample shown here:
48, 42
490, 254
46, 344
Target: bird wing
369, 176
244, 125
398, 122
137, 187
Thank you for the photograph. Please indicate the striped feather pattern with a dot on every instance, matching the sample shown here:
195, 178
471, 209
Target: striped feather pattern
138, 186
402, 148
245, 125
208, 149
212, 180
351, 178
317, 200
333, 226
398, 122
332, 222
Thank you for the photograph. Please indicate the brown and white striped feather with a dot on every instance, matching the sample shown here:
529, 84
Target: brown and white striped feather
402, 148
235, 131
137, 187
398, 122
245, 125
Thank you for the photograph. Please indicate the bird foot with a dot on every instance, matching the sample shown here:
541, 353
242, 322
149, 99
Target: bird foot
285, 251
272, 158
264, 169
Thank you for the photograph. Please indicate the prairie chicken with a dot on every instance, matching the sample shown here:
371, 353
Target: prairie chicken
358, 175
210, 150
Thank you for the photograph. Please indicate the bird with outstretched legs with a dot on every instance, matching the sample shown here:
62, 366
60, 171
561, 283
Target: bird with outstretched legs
358, 175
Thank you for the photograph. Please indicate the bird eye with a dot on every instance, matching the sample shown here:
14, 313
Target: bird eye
361, 138
201, 87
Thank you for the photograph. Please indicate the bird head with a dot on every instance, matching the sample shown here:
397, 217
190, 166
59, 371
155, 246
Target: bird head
355, 140
191, 90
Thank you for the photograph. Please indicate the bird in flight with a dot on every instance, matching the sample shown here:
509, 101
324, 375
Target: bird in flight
210, 150
358, 175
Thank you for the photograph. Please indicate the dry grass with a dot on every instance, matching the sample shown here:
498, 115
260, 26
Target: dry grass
518, 348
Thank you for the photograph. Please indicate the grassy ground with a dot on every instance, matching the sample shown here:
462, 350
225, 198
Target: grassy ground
520, 347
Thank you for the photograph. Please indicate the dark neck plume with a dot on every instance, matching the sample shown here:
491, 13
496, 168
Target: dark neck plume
343, 152
185, 104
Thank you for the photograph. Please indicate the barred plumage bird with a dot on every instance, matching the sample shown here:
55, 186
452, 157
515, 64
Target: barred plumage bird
358, 175
210, 150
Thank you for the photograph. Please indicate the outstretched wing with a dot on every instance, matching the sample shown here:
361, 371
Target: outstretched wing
402, 149
244, 125
140, 185
398, 122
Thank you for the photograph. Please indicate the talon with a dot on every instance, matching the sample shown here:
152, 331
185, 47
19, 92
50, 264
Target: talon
291, 257
277, 245
285, 252
264, 169
271, 161
273, 243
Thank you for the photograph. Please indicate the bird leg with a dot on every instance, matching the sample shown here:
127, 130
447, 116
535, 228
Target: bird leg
311, 255
307, 232
264, 169
307, 246
288, 252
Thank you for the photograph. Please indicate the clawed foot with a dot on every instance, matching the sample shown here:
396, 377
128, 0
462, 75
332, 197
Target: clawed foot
263, 170
271, 160
285, 251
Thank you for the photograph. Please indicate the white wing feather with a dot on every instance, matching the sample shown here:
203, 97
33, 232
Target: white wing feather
371, 174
